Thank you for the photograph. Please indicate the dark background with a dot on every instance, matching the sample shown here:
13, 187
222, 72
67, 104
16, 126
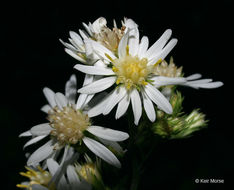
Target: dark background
32, 57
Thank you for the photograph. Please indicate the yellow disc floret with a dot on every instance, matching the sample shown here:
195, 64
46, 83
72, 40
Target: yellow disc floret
88, 171
68, 124
39, 176
131, 71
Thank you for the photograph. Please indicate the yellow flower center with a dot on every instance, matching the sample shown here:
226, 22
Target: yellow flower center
131, 71
40, 177
68, 124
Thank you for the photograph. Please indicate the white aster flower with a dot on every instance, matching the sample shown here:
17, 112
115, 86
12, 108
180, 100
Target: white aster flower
36, 176
132, 70
168, 70
169, 74
66, 127
77, 48
44, 180
81, 49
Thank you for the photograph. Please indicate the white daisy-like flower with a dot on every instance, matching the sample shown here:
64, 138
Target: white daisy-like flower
36, 176
77, 48
41, 179
133, 70
67, 125
168, 75
80, 48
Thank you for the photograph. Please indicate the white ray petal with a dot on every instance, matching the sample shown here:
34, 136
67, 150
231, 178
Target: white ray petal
114, 23
88, 48
41, 154
166, 50
98, 85
98, 109
66, 149
98, 24
122, 45
101, 151
122, 106
68, 46
117, 95
88, 79
129, 23
164, 81
194, 76
76, 38
149, 107
100, 63
207, 85
159, 44
26, 134
81, 101
94, 70
70, 89
83, 34
91, 56
136, 105
74, 55
60, 100
143, 47
49, 94
46, 108
156, 96
34, 140
41, 129
76, 48
108, 134
87, 29
133, 41
102, 51
112, 144
52, 165
58, 179
201, 81
72, 176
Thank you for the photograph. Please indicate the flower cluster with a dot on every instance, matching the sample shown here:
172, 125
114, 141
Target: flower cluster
120, 69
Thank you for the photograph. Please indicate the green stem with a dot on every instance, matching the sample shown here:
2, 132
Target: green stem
134, 184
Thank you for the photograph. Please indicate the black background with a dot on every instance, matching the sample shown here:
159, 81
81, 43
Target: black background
32, 57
